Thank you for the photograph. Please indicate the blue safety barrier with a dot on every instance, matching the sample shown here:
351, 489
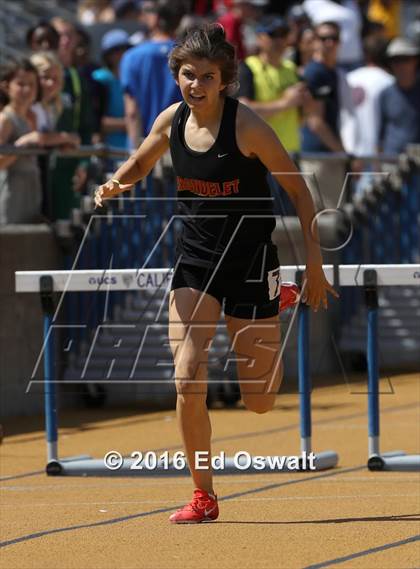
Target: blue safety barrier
385, 227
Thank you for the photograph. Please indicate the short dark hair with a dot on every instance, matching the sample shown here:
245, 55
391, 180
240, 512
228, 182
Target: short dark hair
11, 68
329, 23
169, 15
207, 42
374, 49
54, 35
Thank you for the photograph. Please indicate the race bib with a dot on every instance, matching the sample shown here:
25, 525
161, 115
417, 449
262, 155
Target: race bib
274, 283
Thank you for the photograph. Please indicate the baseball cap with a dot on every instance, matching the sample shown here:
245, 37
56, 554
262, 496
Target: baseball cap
113, 39
402, 47
271, 24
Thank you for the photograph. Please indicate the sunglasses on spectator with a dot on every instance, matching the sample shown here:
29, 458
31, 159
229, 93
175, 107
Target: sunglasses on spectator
331, 37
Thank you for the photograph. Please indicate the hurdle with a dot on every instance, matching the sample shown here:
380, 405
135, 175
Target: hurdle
47, 283
393, 460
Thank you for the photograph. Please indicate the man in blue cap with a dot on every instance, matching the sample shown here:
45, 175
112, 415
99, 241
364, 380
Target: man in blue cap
113, 46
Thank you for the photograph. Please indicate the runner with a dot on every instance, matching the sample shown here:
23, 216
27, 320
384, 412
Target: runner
221, 152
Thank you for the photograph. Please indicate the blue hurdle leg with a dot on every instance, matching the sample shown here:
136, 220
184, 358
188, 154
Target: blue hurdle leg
373, 380
325, 459
46, 287
304, 379
395, 460
49, 391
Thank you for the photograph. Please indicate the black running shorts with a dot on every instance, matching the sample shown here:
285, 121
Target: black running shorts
244, 291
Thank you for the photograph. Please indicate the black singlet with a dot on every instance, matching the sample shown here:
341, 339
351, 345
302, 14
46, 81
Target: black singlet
215, 190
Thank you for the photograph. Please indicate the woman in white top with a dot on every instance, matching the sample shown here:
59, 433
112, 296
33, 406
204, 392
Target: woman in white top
52, 101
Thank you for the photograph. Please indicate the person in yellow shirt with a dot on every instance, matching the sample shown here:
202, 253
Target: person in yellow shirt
270, 85
387, 13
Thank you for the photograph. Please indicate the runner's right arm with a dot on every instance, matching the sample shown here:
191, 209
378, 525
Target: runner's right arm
142, 161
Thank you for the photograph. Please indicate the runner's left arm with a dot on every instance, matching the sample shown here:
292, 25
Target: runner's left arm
258, 139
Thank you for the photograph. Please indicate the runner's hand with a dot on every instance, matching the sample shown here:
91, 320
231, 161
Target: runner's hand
317, 287
109, 190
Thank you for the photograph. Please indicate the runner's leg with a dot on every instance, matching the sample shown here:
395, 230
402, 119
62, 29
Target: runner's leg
192, 322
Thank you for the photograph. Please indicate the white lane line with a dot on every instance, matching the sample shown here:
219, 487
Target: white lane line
261, 499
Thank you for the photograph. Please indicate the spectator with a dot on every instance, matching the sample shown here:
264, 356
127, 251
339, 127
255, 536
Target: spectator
42, 37
147, 82
125, 10
234, 20
84, 106
68, 40
49, 108
76, 89
413, 28
399, 103
146, 21
53, 115
328, 117
321, 132
20, 183
114, 44
347, 16
298, 21
85, 68
387, 13
304, 49
367, 84
91, 12
270, 85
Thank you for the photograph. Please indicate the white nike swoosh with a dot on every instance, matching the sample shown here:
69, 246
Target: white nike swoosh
207, 512
222, 155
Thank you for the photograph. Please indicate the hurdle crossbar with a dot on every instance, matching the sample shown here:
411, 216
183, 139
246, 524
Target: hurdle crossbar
151, 279
49, 282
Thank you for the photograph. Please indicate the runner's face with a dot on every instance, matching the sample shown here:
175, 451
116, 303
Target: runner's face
200, 82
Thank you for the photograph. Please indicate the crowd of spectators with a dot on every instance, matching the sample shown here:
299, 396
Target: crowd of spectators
329, 76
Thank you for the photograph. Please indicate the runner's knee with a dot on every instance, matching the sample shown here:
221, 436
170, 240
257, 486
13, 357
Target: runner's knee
259, 403
190, 380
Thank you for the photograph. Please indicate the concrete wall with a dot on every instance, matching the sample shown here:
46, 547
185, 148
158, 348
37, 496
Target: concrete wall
22, 247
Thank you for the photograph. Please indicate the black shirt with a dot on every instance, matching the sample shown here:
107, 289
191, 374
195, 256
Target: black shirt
322, 82
246, 82
215, 190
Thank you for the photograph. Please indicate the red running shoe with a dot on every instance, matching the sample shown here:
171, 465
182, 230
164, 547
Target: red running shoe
289, 295
202, 508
